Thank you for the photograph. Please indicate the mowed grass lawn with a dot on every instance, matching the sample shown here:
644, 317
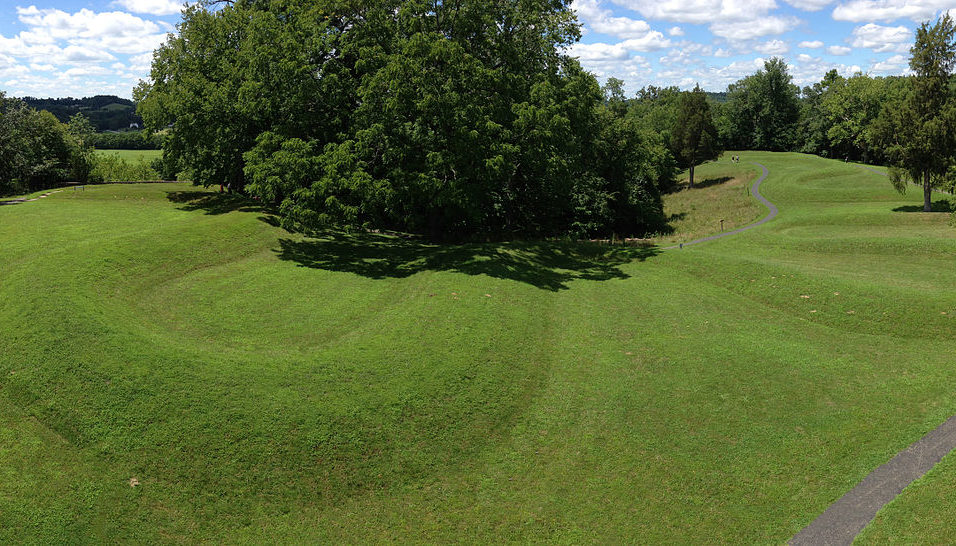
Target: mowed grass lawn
721, 192
258, 386
133, 156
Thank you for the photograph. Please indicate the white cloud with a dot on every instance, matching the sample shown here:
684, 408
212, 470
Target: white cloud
675, 31
699, 11
687, 53
60, 53
602, 20
773, 47
858, 11
80, 54
598, 52
882, 39
152, 7
839, 50
815, 44
810, 70
737, 30
895, 64
809, 5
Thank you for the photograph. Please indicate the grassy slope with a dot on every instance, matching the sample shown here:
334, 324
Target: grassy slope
261, 387
721, 192
134, 155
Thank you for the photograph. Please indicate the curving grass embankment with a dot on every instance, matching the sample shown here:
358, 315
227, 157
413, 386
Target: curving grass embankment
175, 368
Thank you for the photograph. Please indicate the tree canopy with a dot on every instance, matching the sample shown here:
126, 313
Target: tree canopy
37, 151
455, 120
919, 131
694, 136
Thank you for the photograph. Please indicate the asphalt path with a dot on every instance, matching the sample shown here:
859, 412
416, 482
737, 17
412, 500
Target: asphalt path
755, 191
844, 519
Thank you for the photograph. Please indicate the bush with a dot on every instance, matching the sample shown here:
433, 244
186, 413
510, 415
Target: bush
112, 168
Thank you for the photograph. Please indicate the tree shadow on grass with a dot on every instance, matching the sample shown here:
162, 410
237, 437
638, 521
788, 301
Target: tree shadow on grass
213, 202
545, 265
942, 205
710, 182
700, 184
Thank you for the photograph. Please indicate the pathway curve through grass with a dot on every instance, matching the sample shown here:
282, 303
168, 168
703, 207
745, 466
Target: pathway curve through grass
24, 200
261, 386
755, 190
844, 519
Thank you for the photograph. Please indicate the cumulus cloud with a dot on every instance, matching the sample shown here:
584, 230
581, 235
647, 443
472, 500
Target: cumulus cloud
815, 44
59, 52
737, 30
895, 64
810, 71
699, 11
809, 5
882, 39
839, 50
603, 21
598, 52
857, 11
773, 47
152, 7
675, 31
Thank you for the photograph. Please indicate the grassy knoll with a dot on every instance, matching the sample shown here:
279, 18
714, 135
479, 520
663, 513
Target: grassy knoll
721, 192
263, 386
133, 155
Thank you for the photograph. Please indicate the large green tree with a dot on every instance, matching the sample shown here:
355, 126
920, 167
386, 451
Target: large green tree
764, 109
454, 119
694, 135
37, 151
919, 131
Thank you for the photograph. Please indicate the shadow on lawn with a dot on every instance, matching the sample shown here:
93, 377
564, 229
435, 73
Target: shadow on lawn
546, 265
941, 205
213, 202
710, 182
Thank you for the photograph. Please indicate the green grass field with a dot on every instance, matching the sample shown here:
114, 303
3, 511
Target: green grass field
134, 155
260, 386
721, 192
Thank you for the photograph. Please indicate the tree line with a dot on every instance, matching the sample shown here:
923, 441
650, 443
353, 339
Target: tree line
468, 119
105, 112
37, 151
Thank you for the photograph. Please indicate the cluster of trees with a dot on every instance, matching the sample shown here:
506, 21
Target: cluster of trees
105, 112
38, 151
466, 119
128, 140
908, 123
453, 119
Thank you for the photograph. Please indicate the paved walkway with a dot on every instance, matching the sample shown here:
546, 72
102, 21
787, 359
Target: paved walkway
844, 519
755, 190
18, 201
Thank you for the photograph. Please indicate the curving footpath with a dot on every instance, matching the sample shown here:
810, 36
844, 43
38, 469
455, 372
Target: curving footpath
755, 190
18, 201
843, 520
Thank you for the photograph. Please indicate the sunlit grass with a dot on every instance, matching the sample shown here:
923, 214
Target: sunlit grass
261, 386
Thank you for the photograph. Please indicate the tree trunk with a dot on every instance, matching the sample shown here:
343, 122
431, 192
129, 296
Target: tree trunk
927, 194
692, 176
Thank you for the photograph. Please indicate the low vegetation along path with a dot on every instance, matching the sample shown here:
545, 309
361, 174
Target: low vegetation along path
176, 368
755, 190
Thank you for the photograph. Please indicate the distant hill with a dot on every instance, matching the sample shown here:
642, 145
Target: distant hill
106, 112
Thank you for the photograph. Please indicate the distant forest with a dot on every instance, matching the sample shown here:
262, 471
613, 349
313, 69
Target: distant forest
105, 112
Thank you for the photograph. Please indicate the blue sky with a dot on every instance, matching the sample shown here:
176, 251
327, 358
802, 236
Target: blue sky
62, 48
